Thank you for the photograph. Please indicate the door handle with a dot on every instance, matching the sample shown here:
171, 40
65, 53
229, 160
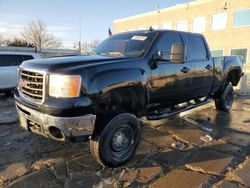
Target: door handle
185, 70
208, 67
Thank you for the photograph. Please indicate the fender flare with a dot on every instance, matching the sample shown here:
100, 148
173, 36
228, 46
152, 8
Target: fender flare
126, 87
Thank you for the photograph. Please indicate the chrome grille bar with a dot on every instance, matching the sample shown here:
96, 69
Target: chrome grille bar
32, 85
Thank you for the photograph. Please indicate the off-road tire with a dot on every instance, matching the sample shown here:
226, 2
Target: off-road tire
224, 101
103, 144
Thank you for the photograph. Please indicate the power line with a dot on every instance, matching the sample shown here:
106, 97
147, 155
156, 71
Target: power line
60, 29
48, 19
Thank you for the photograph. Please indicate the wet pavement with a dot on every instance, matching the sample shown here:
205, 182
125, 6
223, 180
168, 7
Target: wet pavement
202, 148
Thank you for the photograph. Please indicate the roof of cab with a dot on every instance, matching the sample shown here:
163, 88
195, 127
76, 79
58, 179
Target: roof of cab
160, 31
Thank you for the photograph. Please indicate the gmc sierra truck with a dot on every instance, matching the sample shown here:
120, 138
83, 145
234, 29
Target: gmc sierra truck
100, 96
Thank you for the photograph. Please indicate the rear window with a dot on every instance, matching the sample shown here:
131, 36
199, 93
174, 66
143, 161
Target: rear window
196, 48
13, 60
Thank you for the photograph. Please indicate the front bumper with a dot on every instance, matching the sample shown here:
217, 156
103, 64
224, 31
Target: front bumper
56, 128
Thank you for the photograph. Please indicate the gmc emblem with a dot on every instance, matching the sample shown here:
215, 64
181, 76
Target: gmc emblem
24, 83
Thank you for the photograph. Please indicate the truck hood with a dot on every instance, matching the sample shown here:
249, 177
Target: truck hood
59, 63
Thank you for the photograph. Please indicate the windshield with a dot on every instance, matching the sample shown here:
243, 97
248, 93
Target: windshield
125, 45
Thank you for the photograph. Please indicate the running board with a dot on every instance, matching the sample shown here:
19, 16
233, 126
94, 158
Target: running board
164, 114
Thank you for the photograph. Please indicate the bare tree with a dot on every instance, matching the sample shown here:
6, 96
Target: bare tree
36, 33
18, 42
87, 47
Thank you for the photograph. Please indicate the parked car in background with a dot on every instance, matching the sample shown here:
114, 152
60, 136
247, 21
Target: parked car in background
9, 61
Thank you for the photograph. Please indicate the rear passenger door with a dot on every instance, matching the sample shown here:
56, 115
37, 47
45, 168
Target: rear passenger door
202, 63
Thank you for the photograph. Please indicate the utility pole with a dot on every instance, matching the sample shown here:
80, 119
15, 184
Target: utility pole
79, 47
80, 37
40, 43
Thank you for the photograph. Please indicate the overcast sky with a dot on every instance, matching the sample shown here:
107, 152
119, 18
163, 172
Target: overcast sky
63, 16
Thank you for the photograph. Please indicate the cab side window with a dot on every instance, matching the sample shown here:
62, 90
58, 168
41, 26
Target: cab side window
27, 57
168, 40
5, 60
13, 60
196, 48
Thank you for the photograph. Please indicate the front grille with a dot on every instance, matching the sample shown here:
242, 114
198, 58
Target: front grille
31, 85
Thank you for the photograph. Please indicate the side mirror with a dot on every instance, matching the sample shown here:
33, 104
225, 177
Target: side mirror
158, 56
178, 53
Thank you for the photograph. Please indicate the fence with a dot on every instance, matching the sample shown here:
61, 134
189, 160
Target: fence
45, 52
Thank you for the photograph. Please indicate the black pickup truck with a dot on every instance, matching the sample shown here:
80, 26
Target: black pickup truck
100, 96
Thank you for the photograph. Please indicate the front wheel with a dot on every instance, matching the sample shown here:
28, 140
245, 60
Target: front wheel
117, 142
224, 102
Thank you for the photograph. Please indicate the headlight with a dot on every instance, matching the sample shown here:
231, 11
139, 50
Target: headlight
64, 86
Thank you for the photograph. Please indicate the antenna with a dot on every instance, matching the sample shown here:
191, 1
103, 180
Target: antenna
80, 36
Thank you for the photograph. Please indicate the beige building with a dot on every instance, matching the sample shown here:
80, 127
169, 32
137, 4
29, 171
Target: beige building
224, 23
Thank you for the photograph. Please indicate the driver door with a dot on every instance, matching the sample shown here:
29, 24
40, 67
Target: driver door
169, 81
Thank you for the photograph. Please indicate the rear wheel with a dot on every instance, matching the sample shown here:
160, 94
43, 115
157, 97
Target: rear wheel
117, 142
224, 101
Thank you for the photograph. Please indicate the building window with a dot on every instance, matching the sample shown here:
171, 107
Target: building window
219, 21
242, 18
217, 53
199, 24
181, 25
167, 25
240, 52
